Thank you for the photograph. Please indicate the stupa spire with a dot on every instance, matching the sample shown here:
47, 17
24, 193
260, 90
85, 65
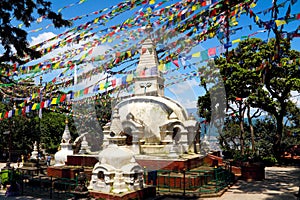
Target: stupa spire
66, 137
148, 80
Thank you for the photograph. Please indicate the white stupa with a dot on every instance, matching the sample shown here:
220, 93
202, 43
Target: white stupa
117, 170
65, 148
153, 124
34, 153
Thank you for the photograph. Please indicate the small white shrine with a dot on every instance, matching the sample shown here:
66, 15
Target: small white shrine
34, 153
117, 170
65, 148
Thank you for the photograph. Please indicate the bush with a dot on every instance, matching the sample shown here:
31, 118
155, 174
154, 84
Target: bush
269, 161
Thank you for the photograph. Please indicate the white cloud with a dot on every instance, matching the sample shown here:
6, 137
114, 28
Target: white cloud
183, 87
295, 98
189, 103
41, 38
99, 50
186, 93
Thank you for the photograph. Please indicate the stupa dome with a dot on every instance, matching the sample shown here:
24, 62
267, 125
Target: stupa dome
116, 156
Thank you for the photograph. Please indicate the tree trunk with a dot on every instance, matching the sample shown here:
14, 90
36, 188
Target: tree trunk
251, 130
242, 133
242, 137
278, 137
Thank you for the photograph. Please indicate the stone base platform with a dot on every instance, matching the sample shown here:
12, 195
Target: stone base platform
149, 192
82, 160
68, 171
150, 163
186, 162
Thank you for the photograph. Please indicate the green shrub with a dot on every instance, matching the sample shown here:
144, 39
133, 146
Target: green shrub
269, 160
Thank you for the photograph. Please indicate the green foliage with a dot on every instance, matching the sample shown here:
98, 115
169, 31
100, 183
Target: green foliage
25, 130
269, 160
52, 126
23, 12
262, 77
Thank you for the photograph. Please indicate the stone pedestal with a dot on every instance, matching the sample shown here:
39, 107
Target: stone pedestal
253, 171
119, 185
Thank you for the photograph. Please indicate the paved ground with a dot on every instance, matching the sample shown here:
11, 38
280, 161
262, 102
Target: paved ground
281, 183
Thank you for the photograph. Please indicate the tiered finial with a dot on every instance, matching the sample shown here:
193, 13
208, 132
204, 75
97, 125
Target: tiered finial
149, 28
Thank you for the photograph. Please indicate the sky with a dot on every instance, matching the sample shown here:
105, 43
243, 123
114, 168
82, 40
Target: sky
185, 92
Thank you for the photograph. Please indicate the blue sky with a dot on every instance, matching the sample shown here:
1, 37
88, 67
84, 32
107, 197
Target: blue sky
185, 92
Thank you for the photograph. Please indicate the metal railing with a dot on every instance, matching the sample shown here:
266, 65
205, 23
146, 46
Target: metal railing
190, 182
39, 186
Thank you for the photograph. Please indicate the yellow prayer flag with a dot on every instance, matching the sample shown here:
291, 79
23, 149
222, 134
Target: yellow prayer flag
34, 106
149, 10
280, 22
101, 86
151, 2
194, 7
34, 95
161, 67
236, 41
56, 65
235, 23
17, 112
196, 55
212, 34
252, 5
54, 101
96, 20
129, 78
256, 18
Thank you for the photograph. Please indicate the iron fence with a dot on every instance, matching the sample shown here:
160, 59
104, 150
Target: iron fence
194, 182
38, 186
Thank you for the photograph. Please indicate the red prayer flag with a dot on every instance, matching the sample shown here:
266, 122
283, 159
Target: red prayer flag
62, 98
24, 111
175, 62
6, 114
86, 91
114, 82
212, 51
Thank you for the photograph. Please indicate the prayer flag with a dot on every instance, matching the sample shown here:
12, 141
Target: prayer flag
212, 51
204, 55
54, 101
196, 55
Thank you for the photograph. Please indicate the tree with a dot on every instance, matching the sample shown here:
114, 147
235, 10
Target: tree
279, 77
253, 78
13, 37
14, 15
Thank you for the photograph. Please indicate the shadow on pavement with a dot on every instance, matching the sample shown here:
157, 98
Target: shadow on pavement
280, 183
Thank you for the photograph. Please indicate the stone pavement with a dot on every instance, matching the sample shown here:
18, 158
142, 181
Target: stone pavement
281, 183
